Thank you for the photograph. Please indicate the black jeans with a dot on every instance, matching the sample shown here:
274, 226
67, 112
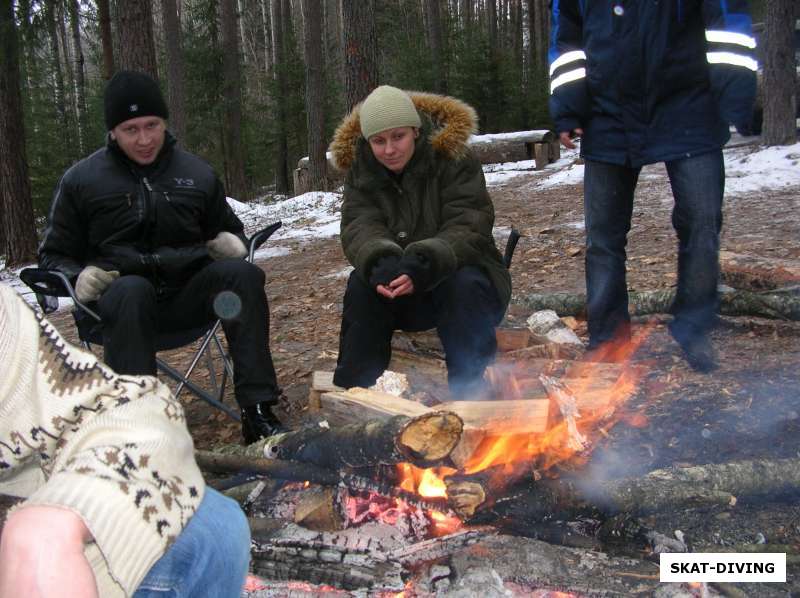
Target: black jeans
464, 309
133, 315
698, 184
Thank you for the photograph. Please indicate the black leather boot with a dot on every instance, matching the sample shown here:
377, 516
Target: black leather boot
258, 422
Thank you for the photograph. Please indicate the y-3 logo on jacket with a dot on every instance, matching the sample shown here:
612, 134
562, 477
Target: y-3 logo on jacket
184, 182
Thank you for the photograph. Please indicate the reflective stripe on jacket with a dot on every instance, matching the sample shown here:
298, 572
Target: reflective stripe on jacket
651, 81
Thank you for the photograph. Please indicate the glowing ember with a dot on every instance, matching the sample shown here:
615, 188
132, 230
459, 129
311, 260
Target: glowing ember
425, 482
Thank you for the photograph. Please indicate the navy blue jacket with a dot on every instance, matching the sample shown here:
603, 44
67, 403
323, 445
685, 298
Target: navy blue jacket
651, 80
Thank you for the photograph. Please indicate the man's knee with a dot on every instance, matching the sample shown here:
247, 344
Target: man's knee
238, 272
465, 285
221, 534
127, 295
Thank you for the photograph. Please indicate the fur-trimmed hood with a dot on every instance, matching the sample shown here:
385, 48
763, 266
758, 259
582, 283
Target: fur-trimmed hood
453, 123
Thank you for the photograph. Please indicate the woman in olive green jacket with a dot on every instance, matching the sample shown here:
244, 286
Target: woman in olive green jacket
417, 227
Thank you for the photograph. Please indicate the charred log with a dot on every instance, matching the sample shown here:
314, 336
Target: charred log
423, 441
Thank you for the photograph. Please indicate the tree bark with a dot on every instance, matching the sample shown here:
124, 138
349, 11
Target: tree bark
80, 74
106, 39
434, 17
775, 305
51, 16
780, 90
315, 94
333, 39
70, 102
541, 30
16, 209
281, 92
175, 70
236, 181
360, 50
137, 50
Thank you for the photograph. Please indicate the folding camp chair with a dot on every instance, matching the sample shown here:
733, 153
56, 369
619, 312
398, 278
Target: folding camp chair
50, 284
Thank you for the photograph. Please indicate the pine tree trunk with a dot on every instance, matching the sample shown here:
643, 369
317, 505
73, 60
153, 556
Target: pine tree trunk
434, 16
780, 90
137, 50
315, 94
541, 28
236, 182
466, 13
175, 86
266, 27
80, 75
16, 209
70, 103
106, 39
281, 92
58, 76
333, 39
360, 50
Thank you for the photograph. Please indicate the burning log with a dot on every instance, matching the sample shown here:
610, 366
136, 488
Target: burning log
774, 305
424, 441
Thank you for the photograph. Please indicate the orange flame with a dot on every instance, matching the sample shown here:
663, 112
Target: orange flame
511, 455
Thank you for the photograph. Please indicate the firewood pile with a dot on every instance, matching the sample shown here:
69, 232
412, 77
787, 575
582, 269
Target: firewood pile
403, 488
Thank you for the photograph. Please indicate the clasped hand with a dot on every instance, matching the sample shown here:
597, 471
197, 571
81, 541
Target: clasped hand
402, 285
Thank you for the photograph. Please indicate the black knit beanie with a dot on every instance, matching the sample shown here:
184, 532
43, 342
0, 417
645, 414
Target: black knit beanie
129, 95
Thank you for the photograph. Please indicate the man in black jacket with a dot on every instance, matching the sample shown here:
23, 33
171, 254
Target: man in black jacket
143, 229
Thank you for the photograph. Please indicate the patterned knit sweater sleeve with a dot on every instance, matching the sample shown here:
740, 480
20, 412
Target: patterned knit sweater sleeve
113, 449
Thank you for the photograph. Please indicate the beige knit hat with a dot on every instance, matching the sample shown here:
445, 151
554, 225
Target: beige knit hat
386, 108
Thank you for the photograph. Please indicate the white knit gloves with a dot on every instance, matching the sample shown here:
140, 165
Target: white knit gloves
226, 245
92, 282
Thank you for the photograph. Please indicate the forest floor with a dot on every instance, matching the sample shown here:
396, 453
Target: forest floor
748, 408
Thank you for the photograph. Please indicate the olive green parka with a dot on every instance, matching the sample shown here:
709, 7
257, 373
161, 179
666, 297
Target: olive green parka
439, 208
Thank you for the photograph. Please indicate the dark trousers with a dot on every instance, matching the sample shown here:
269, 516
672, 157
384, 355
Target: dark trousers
133, 315
464, 309
698, 185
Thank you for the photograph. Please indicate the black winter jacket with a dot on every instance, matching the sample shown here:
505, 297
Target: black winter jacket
651, 81
151, 221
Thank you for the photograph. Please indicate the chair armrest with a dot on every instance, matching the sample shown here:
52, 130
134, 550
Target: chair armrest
52, 283
258, 239
511, 245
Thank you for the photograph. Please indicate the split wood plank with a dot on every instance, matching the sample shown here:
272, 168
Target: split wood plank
502, 417
362, 405
320, 382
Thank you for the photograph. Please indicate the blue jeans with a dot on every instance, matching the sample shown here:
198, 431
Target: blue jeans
209, 558
698, 184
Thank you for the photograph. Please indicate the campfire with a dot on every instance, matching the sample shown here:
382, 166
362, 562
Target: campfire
389, 485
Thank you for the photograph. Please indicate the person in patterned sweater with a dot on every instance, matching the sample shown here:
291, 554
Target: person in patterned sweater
114, 503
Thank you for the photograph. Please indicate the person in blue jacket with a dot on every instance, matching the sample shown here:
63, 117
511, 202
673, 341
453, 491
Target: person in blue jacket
644, 82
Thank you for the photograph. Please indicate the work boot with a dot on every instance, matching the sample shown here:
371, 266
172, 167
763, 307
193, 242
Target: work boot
259, 422
697, 350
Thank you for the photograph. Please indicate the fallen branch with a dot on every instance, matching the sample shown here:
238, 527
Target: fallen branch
774, 305
660, 490
215, 462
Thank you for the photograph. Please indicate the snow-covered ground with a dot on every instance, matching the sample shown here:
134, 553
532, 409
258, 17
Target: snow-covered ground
316, 215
